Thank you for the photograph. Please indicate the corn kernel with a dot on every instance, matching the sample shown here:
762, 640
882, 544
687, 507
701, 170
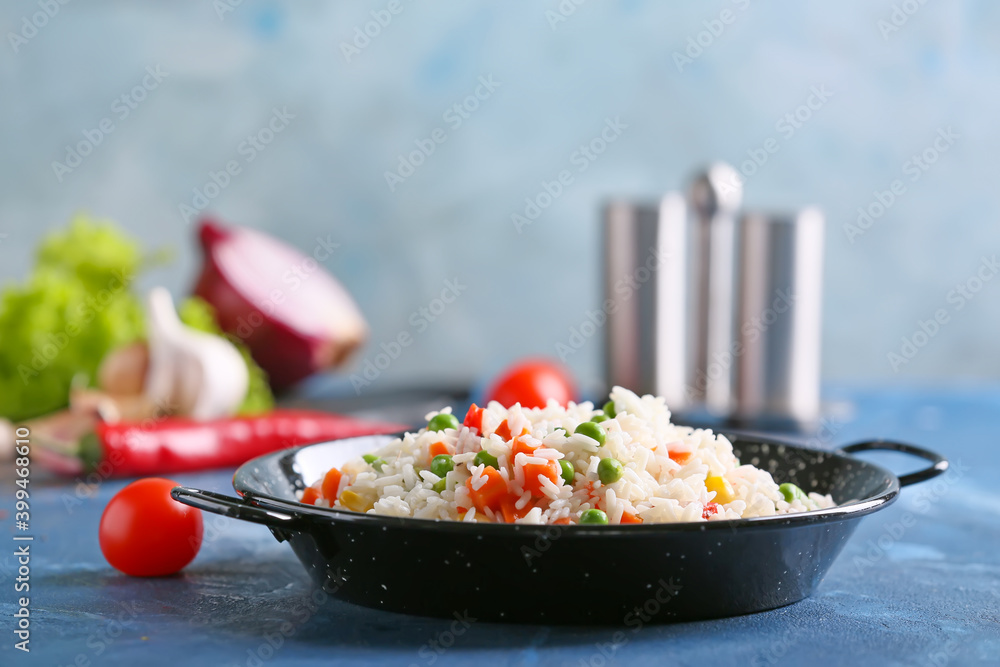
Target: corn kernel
723, 489
358, 502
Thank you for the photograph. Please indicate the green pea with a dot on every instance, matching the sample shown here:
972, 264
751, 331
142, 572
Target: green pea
442, 421
484, 457
597, 419
594, 517
592, 430
791, 492
609, 409
566, 471
442, 464
376, 462
438, 486
560, 428
610, 470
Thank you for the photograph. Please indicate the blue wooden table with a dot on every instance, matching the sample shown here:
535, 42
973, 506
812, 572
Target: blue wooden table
918, 584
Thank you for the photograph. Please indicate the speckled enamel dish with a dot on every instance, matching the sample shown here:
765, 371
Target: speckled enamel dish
617, 574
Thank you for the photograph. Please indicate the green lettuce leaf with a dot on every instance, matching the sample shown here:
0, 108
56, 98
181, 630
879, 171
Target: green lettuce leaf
74, 307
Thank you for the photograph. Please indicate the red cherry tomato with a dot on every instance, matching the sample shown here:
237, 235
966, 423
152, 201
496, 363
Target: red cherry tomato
146, 533
531, 383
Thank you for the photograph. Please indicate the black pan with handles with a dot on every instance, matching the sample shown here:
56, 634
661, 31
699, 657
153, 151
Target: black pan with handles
628, 574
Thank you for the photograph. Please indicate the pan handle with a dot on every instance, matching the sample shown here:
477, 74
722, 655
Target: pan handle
939, 464
235, 507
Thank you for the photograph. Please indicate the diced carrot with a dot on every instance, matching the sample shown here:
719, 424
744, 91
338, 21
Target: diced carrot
474, 418
521, 447
503, 430
439, 448
331, 483
550, 469
489, 494
510, 512
628, 517
533, 470
565, 521
679, 457
309, 496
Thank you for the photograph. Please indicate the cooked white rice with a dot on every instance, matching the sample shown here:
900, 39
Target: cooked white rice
654, 487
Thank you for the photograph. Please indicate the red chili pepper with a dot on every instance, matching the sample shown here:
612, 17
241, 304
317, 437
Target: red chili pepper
173, 445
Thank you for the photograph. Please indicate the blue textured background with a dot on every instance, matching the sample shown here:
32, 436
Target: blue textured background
918, 584
324, 174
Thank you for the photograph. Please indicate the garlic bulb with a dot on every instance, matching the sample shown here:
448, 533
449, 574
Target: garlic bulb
191, 372
123, 370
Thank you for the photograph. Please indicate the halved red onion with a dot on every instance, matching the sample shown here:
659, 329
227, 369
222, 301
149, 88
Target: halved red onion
293, 315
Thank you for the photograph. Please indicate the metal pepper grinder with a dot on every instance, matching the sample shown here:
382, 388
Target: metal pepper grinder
780, 294
715, 196
645, 297
749, 302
